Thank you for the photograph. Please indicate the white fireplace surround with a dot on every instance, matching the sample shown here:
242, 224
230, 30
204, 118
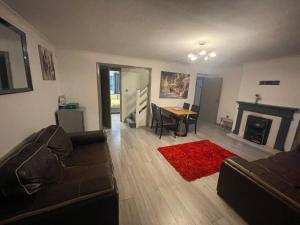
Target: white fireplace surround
274, 127
285, 116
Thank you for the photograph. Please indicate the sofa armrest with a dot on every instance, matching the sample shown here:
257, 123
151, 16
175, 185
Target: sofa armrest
249, 195
88, 137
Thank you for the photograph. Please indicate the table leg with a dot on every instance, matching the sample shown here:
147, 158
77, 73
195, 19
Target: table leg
181, 128
186, 127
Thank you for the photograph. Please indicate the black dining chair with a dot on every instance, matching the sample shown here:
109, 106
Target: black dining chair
186, 105
154, 117
164, 122
153, 109
193, 118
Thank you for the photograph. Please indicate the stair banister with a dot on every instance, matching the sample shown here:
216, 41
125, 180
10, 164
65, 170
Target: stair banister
141, 106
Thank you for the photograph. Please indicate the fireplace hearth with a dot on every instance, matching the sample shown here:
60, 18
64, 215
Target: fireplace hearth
257, 129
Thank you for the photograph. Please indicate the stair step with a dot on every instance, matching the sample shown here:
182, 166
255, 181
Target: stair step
133, 116
131, 122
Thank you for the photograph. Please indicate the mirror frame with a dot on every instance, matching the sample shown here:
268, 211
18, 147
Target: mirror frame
25, 57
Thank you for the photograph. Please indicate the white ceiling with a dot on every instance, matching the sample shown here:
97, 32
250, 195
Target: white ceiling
238, 30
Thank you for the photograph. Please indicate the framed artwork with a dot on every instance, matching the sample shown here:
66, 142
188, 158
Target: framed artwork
47, 64
174, 85
15, 75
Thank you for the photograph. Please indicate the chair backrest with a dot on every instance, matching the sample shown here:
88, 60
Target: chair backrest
158, 114
153, 109
195, 108
186, 105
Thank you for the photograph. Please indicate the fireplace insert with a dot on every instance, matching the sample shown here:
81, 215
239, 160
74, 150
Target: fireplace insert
257, 129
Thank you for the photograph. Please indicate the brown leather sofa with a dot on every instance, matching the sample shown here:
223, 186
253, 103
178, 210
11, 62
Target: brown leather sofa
58, 178
265, 191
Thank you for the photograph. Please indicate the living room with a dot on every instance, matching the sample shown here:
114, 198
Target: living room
252, 46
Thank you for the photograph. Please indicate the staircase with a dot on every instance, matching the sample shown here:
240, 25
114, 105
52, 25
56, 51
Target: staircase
130, 120
138, 118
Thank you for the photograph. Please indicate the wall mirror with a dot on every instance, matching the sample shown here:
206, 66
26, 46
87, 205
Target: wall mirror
15, 73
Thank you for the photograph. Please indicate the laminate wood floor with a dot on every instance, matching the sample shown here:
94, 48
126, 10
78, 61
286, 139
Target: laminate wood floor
153, 193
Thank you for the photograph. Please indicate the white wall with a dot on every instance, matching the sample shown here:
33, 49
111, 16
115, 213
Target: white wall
231, 76
24, 113
79, 80
230, 90
143, 78
287, 70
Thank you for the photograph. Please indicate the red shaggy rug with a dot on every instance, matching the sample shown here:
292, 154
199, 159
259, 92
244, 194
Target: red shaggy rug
195, 159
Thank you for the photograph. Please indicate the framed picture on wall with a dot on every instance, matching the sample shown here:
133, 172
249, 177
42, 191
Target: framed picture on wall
47, 64
174, 85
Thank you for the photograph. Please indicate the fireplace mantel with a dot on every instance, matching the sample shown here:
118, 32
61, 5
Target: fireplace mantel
286, 113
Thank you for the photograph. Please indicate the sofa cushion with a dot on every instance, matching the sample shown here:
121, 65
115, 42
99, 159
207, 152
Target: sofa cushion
57, 140
15, 150
29, 170
89, 154
78, 184
33, 137
280, 172
87, 137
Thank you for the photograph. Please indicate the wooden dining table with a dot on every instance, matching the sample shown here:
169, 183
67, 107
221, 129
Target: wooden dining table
180, 113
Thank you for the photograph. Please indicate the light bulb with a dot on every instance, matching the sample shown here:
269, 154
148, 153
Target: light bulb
191, 55
212, 54
203, 52
206, 58
193, 58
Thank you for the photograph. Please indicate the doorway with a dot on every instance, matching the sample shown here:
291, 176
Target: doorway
198, 90
207, 96
114, 89
118, 86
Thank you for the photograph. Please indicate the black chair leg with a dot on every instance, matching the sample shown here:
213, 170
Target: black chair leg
156, 127
196, 127
177, 125
151, 123
161, 128
186, 128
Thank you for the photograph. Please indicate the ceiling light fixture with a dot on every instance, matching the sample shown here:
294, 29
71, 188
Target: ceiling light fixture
212, 54
203, 52
202, 43
192, 57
